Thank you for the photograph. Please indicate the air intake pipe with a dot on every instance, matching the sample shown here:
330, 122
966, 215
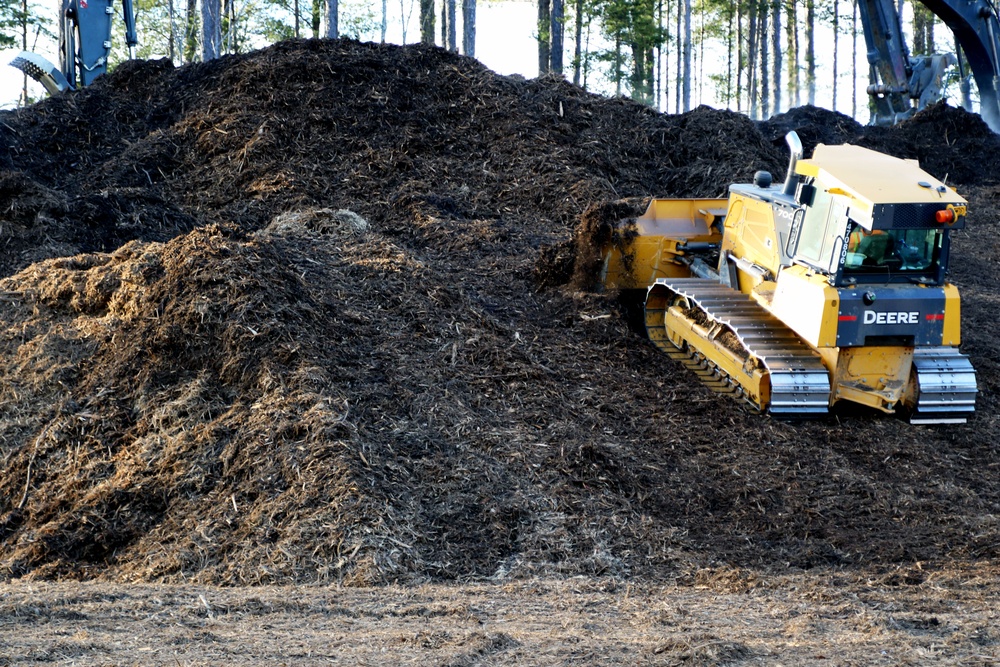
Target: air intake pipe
791, 179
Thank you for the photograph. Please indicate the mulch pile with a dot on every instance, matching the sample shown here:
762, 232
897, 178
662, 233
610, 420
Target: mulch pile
309, 314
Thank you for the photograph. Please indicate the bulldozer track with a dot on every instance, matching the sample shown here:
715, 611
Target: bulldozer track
947, 384
798, 382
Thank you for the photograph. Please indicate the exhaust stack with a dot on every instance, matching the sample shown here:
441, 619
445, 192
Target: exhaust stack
791, 180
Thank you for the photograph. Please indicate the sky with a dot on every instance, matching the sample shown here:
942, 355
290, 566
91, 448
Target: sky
506, 44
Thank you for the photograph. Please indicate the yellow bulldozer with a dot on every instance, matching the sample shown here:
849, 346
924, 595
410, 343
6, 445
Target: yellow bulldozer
797, 296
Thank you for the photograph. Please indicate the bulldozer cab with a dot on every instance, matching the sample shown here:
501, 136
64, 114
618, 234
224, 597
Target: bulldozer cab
907, 250
872, 218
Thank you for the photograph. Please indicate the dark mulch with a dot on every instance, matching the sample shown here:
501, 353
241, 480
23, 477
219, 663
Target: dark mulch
308, 314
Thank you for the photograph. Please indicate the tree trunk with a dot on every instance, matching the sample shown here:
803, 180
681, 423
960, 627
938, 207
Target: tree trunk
469, 27
333, 19
765, 79
650, 76
680, 56
317, 18
298, 12
228, 12
618, 66
752, 63
854, 62
811, 51
836, 50
452, 26
930, 31
776, 56
211, 30
730, 35
660, 56
740, 53
556, 62
385, 19
699, 93
792, 53
172, 36
638, 77
578, 50
919, 31
427, 21
923, 30
687, 55
444, 23
544, 35
24, 47
191, 32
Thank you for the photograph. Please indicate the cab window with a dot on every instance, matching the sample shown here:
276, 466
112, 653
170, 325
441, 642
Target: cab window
822, 232
892, 250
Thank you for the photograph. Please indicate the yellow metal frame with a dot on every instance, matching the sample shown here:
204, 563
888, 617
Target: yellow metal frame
660, 231
869, 178
754, 381
874, 376
805, 301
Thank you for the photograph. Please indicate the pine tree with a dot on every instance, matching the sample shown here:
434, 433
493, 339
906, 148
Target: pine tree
578, 47
332, 19
452, 15
688, 72
835, 22
792, 53
469, 27
923, 29
854, 62
544, 35
556, 51
211, 30
765, 80
811, 51
427, 21
776, 55
633, 27
752, 48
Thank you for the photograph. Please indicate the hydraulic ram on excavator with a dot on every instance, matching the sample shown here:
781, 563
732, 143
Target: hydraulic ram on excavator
830, 287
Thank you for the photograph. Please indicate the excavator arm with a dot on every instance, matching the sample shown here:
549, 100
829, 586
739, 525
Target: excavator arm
84, 45
976, 26
889, 59
902, 85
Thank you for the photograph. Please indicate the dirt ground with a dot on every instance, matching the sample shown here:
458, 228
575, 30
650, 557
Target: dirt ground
303, 331
720, 617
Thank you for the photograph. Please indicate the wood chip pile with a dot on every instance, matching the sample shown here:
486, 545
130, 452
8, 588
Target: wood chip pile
308, 314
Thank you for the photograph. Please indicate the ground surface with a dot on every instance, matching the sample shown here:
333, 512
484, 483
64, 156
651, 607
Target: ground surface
309, 316
718, 618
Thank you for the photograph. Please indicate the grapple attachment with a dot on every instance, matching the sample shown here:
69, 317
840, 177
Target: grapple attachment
42, 71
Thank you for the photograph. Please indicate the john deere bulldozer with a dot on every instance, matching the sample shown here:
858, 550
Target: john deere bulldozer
797, 296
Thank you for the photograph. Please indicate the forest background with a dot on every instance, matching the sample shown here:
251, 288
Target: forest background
759, 57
